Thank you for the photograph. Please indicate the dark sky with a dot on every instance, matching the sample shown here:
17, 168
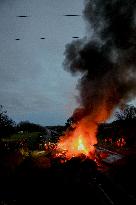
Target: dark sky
33, 84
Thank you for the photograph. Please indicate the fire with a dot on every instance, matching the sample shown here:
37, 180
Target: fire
81, 138
81, 146
79, 141
75, 146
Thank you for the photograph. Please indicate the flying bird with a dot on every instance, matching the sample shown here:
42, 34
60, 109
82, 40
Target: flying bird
71, 15
75, 37
42, 38
17, 39
22, 16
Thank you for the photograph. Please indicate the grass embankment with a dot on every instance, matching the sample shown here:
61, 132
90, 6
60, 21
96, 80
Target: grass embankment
19, 148
21, 136
30, 138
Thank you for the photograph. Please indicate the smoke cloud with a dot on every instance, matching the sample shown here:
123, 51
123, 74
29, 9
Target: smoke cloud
105, 58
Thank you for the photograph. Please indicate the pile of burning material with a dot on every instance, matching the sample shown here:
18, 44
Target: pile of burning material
62, 157
81, 139
76, 144
76, 150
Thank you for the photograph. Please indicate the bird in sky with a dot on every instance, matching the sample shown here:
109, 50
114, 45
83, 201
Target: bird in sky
71, 15
75, 37
23, 16
42, 38
17, 39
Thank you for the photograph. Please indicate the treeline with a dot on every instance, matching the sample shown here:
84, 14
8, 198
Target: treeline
27, 126
122, 131
9, 127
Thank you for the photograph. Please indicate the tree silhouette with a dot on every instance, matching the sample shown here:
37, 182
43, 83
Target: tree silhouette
7, 125
30, 127
128, 113
126, 121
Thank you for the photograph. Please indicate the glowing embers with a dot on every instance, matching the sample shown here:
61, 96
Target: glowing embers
120, 142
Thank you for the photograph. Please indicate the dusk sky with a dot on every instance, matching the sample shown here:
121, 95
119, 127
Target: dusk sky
33, 84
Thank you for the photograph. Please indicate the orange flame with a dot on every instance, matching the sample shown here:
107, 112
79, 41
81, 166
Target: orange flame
74, 146
82, 138
79, 141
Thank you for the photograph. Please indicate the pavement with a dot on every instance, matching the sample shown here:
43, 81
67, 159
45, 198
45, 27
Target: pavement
110, 156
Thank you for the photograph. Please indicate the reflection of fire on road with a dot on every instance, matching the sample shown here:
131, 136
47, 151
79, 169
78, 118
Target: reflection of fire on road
108, 156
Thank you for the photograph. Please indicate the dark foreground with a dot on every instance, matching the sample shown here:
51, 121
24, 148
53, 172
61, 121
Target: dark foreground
77, 181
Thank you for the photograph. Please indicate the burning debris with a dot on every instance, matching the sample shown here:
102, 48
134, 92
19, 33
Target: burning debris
75, 145
105, 61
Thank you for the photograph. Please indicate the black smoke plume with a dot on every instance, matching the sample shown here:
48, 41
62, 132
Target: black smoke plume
106, 57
